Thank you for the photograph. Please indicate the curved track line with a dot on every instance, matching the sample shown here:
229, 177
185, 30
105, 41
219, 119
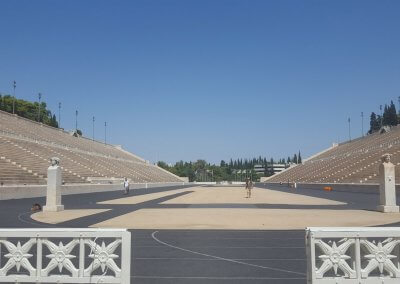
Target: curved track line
36, 223
222, 258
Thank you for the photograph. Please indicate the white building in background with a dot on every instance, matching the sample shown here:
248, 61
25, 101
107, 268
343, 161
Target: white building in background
260, 170
276, 168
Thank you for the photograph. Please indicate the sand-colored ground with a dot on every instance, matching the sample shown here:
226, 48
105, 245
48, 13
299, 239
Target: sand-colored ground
63, 216
236, 195
229, 209
136, 199
246, 219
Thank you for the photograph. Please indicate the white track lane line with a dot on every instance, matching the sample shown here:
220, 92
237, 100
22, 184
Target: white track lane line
216, 278
153, 235
211, 259
220, 247
32, 223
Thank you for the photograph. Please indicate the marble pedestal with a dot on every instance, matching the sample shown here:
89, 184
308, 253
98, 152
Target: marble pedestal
387, 188
53, 196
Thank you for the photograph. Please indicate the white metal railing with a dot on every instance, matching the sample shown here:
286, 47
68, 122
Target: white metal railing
353, 255
65, 255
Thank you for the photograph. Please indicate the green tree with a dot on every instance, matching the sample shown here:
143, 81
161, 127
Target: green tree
163, 165
386, 116
392, 116
374, 123
28, 110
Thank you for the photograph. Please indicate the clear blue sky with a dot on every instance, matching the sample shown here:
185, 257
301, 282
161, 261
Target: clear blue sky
206, 79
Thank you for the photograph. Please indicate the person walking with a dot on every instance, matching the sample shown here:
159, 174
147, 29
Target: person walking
126, 186
249, 186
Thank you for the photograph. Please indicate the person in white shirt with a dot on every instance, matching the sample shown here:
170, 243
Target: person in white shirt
126, 186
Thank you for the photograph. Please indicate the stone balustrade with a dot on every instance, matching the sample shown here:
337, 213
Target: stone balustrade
65, 255
353, 255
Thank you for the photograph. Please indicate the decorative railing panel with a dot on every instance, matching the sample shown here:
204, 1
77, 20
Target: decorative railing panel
353, 255
65, 255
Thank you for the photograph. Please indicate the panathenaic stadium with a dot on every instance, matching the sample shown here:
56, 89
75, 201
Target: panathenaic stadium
331, 219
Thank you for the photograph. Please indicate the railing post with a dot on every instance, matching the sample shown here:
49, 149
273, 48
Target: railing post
126, 258
358, 259
310, 252
39, 249
81, 256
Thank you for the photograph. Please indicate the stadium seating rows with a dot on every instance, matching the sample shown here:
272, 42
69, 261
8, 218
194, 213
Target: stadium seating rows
351, 162
27, 146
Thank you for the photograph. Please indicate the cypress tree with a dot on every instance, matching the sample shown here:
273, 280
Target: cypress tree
380, 121
295, 159
374, 123
299, 158
386, 116
392, 114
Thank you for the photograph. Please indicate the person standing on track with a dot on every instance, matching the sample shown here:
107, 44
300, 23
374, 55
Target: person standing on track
126, 186
249, 186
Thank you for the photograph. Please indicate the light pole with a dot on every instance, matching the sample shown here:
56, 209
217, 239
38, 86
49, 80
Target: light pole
398, 98
349, 129
105, 132
76, 122
93, 128
59, 115
14, 85
40, 97
362, 124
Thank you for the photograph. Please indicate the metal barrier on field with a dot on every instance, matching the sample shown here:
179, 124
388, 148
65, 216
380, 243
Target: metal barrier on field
353, 255
65, 255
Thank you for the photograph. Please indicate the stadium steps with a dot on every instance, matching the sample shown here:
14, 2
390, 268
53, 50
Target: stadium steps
352, 162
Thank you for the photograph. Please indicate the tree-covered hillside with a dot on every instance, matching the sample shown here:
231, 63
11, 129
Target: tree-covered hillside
28, 110
388, 118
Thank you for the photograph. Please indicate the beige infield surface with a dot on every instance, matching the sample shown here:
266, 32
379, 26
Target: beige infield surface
136, 199
227, 208
245, 219
63, 216
236, 195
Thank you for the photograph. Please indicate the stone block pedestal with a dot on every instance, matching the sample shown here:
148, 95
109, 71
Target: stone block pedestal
388, 208
387, 186
54, 181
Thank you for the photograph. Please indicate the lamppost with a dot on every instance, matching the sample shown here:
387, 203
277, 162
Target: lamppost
349, 129
76, 122
14, 85
105, 132
398, 98
40, 97
59, 115
362, 124
93, 128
